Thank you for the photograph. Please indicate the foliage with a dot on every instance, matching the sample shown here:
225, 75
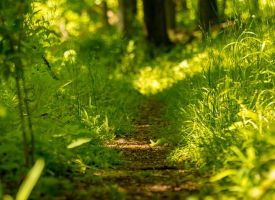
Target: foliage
224, 116
81, 84
70, 98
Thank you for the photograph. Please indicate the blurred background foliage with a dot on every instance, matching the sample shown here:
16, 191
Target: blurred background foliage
82, 80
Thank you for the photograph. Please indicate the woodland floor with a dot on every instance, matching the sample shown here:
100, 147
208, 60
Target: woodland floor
146, 173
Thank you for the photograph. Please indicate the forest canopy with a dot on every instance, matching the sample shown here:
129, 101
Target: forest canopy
137, 99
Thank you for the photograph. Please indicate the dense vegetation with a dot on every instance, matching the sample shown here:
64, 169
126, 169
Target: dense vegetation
74, 76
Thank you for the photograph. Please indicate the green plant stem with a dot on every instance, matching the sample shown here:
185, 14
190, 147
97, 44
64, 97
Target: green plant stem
29, 118
23, 128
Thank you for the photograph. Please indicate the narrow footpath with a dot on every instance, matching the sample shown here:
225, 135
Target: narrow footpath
146, 173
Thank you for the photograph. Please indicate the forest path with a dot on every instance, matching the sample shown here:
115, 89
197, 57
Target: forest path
146, 173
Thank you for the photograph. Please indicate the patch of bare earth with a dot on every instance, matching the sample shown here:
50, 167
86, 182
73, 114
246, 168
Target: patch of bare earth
146, 173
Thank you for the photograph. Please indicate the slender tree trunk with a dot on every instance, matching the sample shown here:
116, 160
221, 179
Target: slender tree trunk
208, 13
155, 22
105, 13
184, 5
127, 12
170, 11
223, 7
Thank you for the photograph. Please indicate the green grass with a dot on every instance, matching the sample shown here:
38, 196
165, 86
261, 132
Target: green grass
89, 101
223, 116
218, 95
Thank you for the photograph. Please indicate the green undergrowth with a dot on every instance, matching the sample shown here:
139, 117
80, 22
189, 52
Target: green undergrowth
73, 117
219, 101
85, 84
220, 111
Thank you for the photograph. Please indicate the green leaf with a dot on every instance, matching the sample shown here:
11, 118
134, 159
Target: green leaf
159, 142
30, 181
222, 175
3, 111
78, 142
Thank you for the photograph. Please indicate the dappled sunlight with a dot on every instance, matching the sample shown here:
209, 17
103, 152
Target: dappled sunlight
63, 21
160, 188
126, 144
70, 56
137, 99
152, 80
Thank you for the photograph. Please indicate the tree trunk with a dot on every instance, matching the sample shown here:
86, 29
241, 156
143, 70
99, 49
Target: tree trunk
155, 22
127, 11
208, 13
105, 13
170, 11
184, 5
223, 7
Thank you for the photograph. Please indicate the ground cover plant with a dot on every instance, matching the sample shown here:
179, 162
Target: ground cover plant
131, 99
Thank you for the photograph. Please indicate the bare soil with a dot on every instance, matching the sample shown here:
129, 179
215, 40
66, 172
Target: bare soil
146, 173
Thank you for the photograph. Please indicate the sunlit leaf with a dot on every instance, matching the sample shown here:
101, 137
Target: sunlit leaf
7, 197
30, 181
238, 152
247, 113
251, 153
78, 142
236, 125
159, 142
2, 111
222, 175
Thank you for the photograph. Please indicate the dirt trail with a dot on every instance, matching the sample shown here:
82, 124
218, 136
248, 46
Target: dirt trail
146, 173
